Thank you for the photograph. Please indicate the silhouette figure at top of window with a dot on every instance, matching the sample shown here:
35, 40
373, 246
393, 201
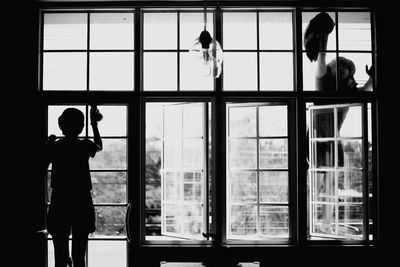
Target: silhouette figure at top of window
71, 207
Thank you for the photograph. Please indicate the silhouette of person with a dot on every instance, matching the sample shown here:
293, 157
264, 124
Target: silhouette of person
71, 207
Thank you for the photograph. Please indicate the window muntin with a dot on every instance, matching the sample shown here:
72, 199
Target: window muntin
337, 175
257, 171
258, 51
168, 66
177, 174
88, 51
350, 38
363, 53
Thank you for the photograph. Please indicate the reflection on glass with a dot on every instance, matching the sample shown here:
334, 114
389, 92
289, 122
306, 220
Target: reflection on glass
160, 71
64, 71
192, 154
243, 186
242, 121
192, 219
275, 30
274, 221
324, 154
276, 71
160, 31
192, 125
243, 220
324, 219
106, 253
273, 153
349, 122
323, 123
350, 154
109, 187
172, 188
354, 30
110, 221
113, 155
350, 220
172, 218
64, 31
111, 31
111, 71
324, 186
240, 71
274, 186
172, 154
240, 30
243, 154
350, 186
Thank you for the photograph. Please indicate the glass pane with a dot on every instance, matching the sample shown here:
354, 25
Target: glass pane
240, 71
274, 221
192, 219
111, 71
160, 30
324, 154
193, 154
64, 71
350, 154
354, 30
242, 154
243, 220
273, 186
109, 187
193, 124
350, 187
193, 73
307, 16
172, 186
54, 112
243, 25
112, 157
114, 121
111, 31
276, 71
349, 122
323, 123
273, 153
172, 217
243, 187
65, 31
110, 222
160, 71
324, 186
309, 75
350, 220
275, 30
242, 122
360, 60
324, 218
107, 253
272, 121
190, 27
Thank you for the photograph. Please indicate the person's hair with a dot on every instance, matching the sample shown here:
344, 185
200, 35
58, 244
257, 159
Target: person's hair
71, 122
344, 62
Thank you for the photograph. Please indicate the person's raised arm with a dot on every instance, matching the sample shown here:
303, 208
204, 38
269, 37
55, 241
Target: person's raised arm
368, 85
95, 117
321, 60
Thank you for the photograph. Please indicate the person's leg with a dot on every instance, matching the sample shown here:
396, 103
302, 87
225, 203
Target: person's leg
61, 248
79, 245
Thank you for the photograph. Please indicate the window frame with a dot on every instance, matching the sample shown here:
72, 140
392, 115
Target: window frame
135, 102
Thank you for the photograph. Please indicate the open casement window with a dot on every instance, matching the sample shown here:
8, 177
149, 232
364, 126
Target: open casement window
257, 171
184, 171
337, 172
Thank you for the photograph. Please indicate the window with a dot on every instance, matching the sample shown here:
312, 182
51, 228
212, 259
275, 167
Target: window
259, 156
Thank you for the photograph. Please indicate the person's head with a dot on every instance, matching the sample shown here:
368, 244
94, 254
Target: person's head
71, 122
346, 68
